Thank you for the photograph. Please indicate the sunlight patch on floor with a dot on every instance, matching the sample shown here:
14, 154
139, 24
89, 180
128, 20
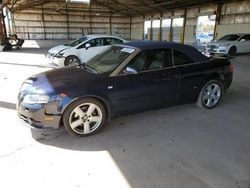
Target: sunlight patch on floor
30, 44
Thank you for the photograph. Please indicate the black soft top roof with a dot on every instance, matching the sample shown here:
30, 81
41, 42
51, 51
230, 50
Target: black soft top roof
151, 45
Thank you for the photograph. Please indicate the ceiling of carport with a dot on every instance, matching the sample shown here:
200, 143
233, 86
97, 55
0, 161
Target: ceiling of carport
126, 7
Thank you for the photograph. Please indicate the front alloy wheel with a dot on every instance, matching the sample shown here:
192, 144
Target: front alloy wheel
211, 94
71, 61
84, 117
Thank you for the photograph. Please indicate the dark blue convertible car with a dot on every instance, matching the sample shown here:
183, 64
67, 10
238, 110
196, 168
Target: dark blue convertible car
123, 79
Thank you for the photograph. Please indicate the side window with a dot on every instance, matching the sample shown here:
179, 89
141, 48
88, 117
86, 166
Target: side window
116, 41
82, 46
156, 59
139, 62
152, 60
110, 41
248, 37
244, 37
181, 59
96, 42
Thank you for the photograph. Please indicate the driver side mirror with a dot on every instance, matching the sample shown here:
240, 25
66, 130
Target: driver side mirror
87, 46
242, 40
130, 70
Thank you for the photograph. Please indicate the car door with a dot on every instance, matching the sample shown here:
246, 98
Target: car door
96, 46
245, 45
248, 44
191, 77
154, 86
240, 44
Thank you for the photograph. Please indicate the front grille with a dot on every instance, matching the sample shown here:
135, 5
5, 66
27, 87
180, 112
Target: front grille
213, 46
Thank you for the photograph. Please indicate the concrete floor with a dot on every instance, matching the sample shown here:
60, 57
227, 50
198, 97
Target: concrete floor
178, 147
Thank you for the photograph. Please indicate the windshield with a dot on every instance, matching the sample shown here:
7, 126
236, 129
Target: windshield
106, 61
77, 41
230, 37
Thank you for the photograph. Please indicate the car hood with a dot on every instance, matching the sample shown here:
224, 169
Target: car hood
65, 79
58, 49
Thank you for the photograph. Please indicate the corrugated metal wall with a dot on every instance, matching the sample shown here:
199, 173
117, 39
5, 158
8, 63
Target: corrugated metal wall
55, 22
235, 18
52, 22
137, 28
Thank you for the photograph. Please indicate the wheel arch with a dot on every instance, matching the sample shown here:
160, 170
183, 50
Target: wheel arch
212, 76
103, 101
231, 47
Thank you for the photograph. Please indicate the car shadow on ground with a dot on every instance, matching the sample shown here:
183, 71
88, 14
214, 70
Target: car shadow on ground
163, 140
117, 132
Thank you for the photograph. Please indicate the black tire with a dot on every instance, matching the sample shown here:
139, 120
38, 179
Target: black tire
85, 126
71, 61
214, 96
232, 51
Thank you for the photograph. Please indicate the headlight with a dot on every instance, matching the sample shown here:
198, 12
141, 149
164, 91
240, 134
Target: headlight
59, 55
224, 45
36, 99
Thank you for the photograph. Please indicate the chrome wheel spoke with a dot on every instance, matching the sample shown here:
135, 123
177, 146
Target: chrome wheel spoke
205, 96
78, 111
209, 101
96, 119
215, 97
209, 89
86, 127
76, 123
215, 90
91, 109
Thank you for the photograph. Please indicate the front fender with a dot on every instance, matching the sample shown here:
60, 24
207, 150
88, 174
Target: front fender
66, 101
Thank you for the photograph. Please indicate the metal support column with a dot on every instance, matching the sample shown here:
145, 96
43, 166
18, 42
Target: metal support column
184, 26
44, 29
110, 23
217, 22
67, 16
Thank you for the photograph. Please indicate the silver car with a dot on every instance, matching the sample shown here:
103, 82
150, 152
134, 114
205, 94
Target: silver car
230, 45
80, 50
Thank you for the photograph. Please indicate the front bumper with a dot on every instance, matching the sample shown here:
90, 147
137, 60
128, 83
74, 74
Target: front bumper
218, 50
37, 116
55, 61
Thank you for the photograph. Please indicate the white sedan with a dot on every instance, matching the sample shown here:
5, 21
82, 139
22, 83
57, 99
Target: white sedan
230, 45
80, 50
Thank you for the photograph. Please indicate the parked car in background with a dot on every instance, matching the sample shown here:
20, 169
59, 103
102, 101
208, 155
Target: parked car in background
122, 79
204, 38
230, 45
80, 50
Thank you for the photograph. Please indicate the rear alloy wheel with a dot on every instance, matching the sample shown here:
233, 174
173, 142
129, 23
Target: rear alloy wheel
72, 60
211, 94
232, 51
84, 117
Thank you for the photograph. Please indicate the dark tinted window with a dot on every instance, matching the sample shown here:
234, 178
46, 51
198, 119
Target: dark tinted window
246, 37
181, 59
77, 42
152, 59
96, 42
110, 41
230, 37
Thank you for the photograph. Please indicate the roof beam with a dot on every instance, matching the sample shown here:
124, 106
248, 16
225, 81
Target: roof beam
27, 4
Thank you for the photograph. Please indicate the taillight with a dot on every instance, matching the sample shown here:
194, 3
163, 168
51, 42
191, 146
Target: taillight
231, 67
